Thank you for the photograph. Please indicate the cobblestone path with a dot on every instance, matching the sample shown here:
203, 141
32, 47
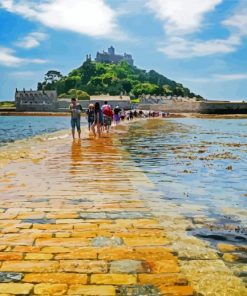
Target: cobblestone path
72, 222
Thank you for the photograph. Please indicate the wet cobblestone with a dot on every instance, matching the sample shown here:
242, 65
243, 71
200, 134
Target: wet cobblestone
75, 223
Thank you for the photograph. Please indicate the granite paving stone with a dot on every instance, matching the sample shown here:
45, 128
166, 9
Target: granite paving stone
102, 241
128, 266
75, 223
8, 277
137, 290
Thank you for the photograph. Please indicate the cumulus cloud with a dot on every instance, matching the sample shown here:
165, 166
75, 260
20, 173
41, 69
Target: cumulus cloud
180, 16
31, 40
178, 47
8, 58
183, 19
128, 7
238, 20
94, 18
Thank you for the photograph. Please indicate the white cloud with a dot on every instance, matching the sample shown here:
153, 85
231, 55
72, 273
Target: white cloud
93, 18
181, 19
128, 7
31, 40
217, 78
182, 16
179, 47
230, 77
9, 59
238, 20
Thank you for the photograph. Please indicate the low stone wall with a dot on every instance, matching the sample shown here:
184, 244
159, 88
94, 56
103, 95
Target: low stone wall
198, 107
63, 105
37, 107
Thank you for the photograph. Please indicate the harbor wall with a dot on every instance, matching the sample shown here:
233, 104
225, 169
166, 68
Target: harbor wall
63, 105
198, 107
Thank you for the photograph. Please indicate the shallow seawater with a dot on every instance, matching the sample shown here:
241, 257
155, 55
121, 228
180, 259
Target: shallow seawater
14, 128
200, 166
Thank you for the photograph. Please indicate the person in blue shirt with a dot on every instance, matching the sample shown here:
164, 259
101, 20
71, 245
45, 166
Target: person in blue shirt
75, 110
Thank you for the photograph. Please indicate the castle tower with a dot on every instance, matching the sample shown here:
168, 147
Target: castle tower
111, 50
88, 57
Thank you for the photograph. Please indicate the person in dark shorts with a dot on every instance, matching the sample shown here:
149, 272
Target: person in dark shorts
98, 119
107, 115
90, 115
75, 109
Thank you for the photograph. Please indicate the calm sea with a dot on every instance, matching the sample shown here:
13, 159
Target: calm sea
14, 128
200, 166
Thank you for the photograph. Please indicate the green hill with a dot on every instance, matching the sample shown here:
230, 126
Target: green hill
94, 78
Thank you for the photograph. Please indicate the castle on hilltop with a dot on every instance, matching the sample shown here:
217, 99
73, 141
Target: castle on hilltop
111, 57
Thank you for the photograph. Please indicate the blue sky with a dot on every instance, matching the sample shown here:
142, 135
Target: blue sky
200, 43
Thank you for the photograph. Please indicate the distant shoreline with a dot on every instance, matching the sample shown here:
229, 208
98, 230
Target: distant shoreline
171, 115
15, 113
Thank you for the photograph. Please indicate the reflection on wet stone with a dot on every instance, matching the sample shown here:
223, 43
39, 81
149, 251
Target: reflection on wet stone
101, 241
105, 218
96, 215
139, 290
128, 266
39, 221
8, 277
128, 215
77, 201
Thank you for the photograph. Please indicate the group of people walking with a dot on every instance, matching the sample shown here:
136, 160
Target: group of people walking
99, 118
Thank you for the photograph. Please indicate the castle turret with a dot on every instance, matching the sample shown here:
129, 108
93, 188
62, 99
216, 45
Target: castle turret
111, 50
111, 57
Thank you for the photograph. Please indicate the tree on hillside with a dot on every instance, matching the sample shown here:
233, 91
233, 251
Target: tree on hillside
40, 86
100, 78
127, 85
108, 78
147, 88
88, 70
52, 75
78, 94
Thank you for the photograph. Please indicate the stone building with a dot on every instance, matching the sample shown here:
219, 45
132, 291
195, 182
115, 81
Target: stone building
111, 57
155, 99
30, 100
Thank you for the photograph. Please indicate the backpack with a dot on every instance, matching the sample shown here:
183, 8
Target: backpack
108, 111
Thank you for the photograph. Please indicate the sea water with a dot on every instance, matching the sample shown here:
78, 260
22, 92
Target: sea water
201, 166
14, 128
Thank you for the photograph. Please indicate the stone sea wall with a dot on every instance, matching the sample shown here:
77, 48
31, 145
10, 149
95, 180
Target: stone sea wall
52, 107
199, 107
63, 105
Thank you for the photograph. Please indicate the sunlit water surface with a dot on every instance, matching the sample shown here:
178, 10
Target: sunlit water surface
201, 166
14, 128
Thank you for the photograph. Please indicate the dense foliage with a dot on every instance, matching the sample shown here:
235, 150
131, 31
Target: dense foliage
94, 78
7, 104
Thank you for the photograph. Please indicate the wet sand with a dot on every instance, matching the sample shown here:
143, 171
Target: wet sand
78, 218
